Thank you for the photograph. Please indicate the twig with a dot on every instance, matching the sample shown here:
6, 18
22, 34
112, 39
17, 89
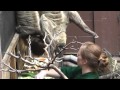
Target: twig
26, 61
58, 71
46, 45
19, 57
64, 48
108, 76
32, 63
21, 71
8, 66
72, 48
107, 52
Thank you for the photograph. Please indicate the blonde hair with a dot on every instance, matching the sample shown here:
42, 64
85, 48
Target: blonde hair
96, 58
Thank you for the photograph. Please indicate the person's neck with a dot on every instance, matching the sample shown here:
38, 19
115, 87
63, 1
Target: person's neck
86, 70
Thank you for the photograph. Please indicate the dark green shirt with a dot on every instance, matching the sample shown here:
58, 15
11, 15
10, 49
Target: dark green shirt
76, 73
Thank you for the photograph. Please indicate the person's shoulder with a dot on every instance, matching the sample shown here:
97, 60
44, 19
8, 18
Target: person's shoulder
75, 67
69, 68
70, 72
92, 75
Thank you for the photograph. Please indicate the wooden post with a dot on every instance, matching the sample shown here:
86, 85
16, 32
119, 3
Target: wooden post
22, 48
6, 58
13, 65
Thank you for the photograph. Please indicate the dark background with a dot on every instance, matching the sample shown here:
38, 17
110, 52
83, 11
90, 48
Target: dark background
7, 28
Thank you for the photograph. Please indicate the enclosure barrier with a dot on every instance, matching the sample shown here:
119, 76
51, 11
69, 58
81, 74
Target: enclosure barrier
10, 60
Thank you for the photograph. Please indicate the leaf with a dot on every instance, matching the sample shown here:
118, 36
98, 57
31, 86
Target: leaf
31, 74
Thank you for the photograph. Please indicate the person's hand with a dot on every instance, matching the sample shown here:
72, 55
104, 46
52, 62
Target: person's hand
41, 75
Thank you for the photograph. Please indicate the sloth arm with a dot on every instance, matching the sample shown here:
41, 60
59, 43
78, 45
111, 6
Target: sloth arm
76, 18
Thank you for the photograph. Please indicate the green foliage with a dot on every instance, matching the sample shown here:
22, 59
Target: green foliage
27, 75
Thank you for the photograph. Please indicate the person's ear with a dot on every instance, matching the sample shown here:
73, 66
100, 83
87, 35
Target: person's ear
85, 61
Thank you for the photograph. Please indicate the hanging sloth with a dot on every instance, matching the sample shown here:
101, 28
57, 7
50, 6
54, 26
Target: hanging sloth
36, 23
28, 24
53, 22
28, 18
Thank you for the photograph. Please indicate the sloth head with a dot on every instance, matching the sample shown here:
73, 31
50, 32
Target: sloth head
37, 44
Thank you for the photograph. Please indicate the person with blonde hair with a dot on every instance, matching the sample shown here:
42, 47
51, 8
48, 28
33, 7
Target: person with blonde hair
90, 60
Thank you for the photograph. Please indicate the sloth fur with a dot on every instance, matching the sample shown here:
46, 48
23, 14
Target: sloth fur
28, 24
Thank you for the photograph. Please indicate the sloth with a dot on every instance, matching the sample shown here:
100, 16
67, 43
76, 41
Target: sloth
36, 23
28, 24
53, 22
37, 43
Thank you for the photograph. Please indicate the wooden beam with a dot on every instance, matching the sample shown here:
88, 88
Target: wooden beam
13, 65
6, 58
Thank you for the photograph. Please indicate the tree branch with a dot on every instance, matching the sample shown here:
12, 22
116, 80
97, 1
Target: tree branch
19, 57
108, 76
48, 66
64, 48
39, 69
20, 71
58, 71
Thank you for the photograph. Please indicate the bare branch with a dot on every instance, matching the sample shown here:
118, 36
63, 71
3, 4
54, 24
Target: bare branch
108, 76
18, 57
20, 71
33, 63
64, 48
73, 48
58, 71
8, 66
39, 69
26, 61
46, 45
